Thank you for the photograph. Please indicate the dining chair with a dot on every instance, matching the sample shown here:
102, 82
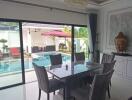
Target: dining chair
130, 98
97, 91
79, 56
107, 58
44, 83
106, 68
56, 59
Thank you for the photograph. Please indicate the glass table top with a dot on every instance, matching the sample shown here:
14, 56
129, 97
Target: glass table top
72, 69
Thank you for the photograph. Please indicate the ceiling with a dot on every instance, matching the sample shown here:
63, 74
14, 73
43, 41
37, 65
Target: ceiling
99, 1
41, 26
68, 5
83, 1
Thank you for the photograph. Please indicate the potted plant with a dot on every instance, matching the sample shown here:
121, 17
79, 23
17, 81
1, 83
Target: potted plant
4, 46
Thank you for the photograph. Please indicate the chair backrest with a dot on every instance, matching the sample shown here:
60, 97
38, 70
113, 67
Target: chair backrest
108, 66
79, 56
100, 85
56, 59
42, 77
107, 58
130, 98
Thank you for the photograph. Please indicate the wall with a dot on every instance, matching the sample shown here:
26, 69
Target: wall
26, 12
36, 38
116, 5
10, 36
39, 40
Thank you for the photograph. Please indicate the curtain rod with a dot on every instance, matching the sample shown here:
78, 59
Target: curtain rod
44, 6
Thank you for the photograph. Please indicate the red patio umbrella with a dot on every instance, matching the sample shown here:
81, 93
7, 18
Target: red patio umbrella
58, 33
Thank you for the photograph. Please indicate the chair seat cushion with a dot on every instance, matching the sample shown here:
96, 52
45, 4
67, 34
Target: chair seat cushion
81, 93
55, 84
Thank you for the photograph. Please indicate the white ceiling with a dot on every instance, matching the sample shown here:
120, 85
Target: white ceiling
39, 25
54, 2
61, 4
94, 1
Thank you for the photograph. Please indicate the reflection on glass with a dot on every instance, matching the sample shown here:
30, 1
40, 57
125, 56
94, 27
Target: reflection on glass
42, 40
10, 56
81, 40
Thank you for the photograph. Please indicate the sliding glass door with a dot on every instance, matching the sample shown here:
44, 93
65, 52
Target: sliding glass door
81, 40
10, 54
42, 40
38, 42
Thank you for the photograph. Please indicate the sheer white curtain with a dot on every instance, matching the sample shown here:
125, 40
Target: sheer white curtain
90, 43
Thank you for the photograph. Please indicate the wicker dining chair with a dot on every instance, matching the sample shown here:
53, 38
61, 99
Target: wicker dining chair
79, 56
97, 91
107, 58
44, 83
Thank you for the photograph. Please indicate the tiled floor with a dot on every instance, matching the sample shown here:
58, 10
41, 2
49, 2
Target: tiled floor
17, 78
121, 90
30, 76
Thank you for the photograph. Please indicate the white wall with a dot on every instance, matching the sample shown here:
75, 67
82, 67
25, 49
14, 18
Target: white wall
12, 38
26, 12
103, 19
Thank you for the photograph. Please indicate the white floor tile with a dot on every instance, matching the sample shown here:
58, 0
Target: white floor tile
121, 90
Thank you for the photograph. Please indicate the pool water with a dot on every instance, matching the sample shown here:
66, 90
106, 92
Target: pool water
15, 64
44, 59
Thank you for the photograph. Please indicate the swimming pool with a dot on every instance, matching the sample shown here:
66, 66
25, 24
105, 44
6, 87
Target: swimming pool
41, 59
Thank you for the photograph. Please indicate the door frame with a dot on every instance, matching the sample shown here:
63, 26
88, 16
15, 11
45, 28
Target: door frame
20, 21
21, 49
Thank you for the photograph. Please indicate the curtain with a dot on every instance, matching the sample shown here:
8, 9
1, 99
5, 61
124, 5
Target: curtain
92, 27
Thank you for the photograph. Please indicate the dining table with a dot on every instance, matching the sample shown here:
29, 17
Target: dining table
70, 70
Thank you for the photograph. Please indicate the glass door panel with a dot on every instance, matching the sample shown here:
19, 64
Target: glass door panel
10, 54
40, 41
81, 40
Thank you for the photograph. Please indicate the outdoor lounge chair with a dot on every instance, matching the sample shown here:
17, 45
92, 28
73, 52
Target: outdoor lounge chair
14, 52
36, 49
50, 48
